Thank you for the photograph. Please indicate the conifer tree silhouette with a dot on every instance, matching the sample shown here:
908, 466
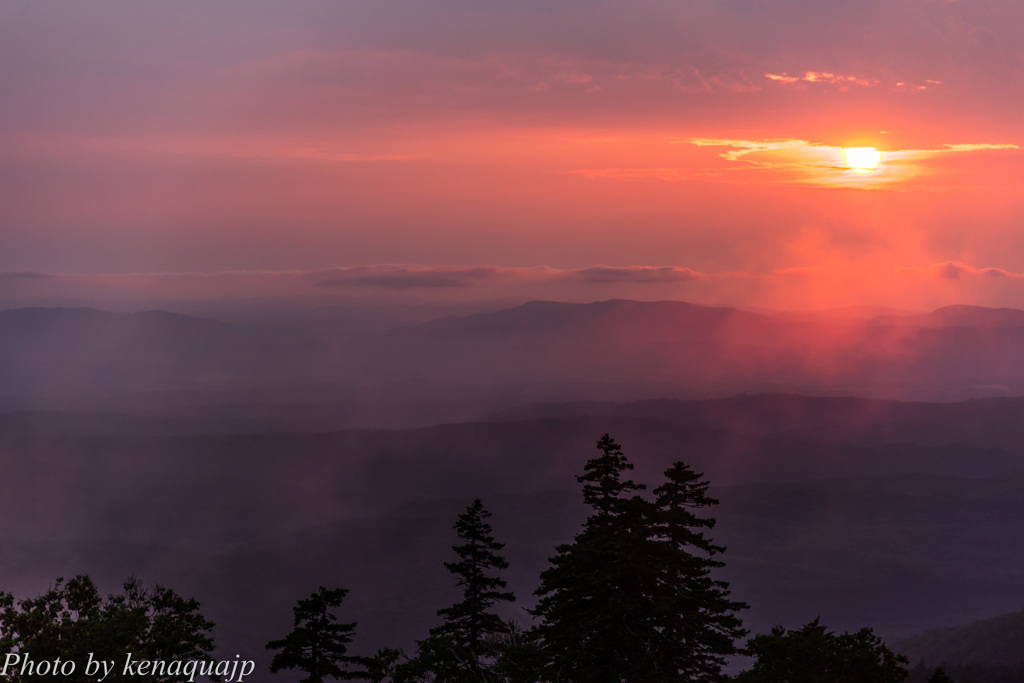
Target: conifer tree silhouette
469, 620
317, 644
632, 598
463, 647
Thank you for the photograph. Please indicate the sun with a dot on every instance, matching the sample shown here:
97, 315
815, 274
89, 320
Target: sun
862, 159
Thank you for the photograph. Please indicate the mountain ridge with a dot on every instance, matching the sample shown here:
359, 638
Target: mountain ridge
661, 347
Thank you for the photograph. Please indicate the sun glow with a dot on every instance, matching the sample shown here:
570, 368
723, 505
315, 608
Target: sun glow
862, 159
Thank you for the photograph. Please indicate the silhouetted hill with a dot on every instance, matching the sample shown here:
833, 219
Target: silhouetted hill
70, 424
649, 349
957, 316
343, 318
127, 483
669, 343
992, 422
611, 341
996, 640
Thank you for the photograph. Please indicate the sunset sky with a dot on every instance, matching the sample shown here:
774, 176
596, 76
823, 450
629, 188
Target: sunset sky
574, 150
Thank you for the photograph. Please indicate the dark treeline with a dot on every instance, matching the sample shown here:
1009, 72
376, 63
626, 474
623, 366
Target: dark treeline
967, 673
632, 598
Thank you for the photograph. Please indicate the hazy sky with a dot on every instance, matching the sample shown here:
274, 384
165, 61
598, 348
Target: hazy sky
586, 150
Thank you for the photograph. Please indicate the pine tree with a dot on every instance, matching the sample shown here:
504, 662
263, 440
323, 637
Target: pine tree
589, 595
462, 646
469, 619
632, 599
698, 623
317, 645
940, 676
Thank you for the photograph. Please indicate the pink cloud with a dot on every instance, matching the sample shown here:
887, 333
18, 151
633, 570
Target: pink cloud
954, 270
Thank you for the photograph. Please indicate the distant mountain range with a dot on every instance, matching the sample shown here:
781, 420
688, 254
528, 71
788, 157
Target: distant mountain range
649, 349
956, 316
677, 344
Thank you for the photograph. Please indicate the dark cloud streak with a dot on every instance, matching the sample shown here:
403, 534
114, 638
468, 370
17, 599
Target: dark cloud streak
407, 278
24, 275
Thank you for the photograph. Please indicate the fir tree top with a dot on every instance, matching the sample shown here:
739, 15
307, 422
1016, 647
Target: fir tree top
602, 477
469, 620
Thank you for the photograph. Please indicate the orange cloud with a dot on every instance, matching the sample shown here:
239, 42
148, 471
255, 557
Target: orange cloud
634, 274
843, 81
802, 162
976, 147
820, 77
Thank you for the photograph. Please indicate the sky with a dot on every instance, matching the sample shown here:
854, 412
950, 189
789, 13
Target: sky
649, 149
